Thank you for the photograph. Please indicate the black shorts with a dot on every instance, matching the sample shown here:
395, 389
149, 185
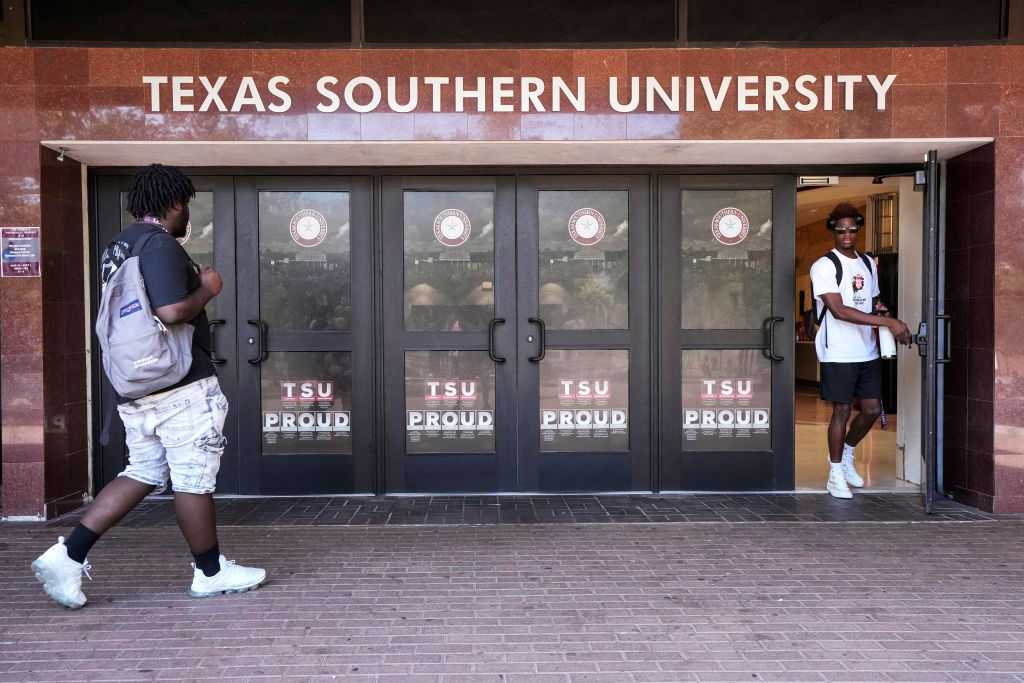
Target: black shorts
843, 382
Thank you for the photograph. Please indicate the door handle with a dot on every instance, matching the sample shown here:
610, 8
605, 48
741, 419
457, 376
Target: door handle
262, 337
490, 340
543, 340
947, 323
770, 323
213, 348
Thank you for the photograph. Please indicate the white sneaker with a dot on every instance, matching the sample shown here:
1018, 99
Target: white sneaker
61, 576
850, 472
837, 482
232, 578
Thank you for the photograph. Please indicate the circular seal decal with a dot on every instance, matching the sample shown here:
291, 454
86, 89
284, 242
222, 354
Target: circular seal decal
586, 226
451, 227
308, 228
188, 233
730, 226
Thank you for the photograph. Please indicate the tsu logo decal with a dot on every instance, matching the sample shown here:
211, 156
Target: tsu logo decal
730, 226
858, 283
586, 226
451, 227
308, 228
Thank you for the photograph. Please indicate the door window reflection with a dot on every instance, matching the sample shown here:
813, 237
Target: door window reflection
449, 260
584, 259
305, 261
726, 259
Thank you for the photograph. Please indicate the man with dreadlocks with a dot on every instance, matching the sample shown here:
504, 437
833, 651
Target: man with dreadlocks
175, 432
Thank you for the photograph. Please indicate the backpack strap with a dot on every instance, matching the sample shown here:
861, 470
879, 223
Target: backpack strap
141, 242
839, 278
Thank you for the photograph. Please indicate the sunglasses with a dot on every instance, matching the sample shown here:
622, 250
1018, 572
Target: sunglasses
843, 231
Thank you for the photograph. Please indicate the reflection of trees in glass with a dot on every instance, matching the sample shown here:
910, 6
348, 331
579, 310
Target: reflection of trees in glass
448, 288
584, 286
299, 294
725, 286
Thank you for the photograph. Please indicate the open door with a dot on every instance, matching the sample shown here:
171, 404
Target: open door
933, 333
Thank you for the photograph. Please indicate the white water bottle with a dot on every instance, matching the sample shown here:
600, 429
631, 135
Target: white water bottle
886, 342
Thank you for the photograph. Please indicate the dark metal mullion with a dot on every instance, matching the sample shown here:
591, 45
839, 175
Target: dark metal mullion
445, 341
783, 379
929, 311
309, 341
250, 438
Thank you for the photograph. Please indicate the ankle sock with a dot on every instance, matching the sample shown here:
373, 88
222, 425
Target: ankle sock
208, 561
80, 542
848, 449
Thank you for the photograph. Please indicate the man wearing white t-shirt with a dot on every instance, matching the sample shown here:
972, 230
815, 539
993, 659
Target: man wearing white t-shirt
846, 345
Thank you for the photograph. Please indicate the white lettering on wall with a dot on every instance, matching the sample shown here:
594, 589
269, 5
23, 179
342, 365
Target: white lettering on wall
525, 94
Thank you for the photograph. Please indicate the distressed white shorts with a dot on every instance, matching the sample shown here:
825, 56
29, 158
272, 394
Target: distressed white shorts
178, 433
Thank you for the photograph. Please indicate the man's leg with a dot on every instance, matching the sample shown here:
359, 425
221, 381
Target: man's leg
837, 433
197, 520
870, 409
114, 501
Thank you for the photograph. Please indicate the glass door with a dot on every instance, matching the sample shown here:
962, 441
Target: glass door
583, 337
449, 320
516, 336
727, 336
305, 301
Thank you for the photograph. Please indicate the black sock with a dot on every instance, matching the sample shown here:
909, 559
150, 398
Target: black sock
80, 542
208, 561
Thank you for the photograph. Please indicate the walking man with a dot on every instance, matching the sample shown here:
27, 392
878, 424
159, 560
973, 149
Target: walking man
845, 283
176, 432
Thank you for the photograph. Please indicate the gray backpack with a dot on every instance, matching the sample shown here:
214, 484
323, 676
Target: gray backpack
141, 355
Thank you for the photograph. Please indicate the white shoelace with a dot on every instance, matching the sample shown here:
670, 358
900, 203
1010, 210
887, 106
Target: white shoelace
86, 567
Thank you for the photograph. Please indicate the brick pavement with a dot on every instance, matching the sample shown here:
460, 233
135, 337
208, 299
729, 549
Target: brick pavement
875, 600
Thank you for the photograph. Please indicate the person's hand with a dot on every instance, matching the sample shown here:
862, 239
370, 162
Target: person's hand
210, 280
881, 309
899, 330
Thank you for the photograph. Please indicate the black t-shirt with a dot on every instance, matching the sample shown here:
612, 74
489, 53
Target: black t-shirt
170, 276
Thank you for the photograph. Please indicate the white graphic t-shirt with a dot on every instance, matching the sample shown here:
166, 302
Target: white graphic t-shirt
838, 341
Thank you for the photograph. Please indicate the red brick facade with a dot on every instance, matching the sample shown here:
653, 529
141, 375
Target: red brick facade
98, 94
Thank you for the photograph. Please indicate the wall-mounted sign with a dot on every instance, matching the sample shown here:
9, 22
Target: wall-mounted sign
452, 227
20, 252
308, 228
586, 226
522, 94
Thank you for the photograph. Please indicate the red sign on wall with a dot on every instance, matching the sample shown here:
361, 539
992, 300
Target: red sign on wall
20, 252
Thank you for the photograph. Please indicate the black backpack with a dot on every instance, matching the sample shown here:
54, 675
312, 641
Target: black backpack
812, 317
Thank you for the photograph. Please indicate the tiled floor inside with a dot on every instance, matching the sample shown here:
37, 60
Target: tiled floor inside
877, 457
